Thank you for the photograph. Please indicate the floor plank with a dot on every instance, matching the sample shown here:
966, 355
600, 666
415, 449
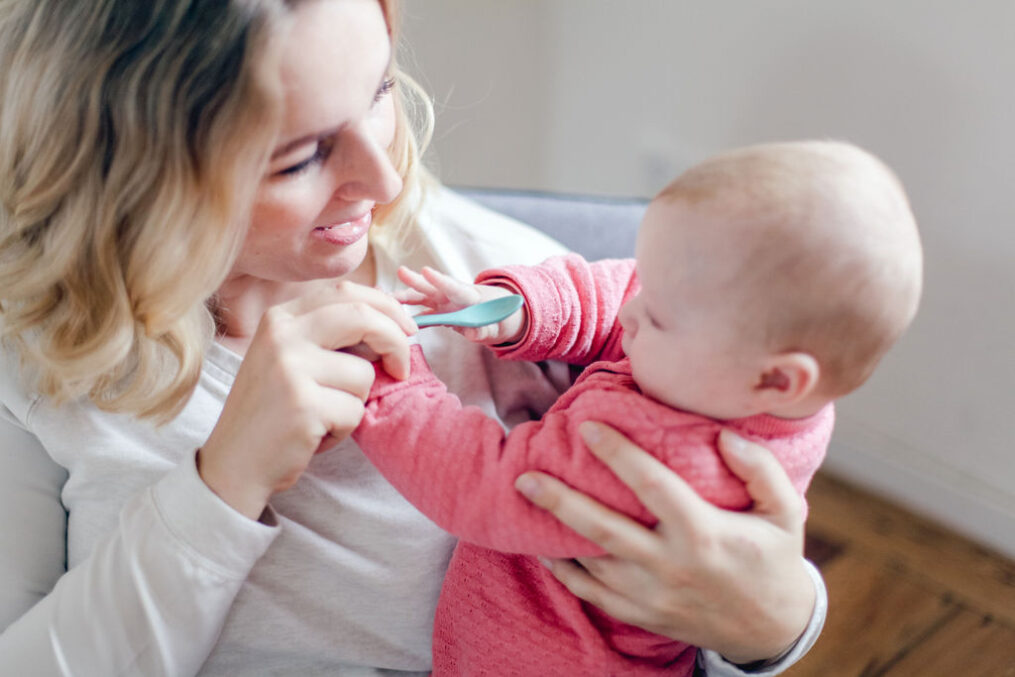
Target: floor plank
861, 523
971, 645
875, 616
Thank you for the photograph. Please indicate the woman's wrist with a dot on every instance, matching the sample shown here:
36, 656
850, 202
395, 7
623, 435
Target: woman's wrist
207, 525
246, 499
802, 641
779, 621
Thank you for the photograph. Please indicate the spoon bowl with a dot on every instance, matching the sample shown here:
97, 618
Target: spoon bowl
478, 315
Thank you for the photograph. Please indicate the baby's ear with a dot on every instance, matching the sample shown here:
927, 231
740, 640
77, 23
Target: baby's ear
786, 379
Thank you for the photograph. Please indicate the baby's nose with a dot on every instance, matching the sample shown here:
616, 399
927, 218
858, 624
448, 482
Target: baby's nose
626, 317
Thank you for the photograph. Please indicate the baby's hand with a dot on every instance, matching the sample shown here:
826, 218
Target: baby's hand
442, 293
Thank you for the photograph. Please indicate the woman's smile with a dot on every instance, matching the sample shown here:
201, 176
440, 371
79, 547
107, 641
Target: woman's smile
347, 232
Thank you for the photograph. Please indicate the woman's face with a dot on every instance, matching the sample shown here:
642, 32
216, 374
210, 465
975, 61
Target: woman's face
330, 165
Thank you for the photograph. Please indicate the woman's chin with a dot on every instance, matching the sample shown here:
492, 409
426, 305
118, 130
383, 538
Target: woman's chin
346, 265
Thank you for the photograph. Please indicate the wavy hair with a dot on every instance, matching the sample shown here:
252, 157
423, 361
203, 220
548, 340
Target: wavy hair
414, 124
132, 138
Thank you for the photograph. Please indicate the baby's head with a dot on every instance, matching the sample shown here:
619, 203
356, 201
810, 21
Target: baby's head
774, 278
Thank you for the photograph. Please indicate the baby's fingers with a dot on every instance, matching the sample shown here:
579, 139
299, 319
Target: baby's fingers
410, 296
416, 282
456, 292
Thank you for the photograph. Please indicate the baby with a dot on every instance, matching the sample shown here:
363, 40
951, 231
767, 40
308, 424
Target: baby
768, 282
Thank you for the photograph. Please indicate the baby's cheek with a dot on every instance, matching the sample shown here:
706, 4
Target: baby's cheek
626, 317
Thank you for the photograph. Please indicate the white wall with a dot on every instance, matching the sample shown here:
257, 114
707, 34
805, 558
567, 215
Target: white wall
614, 97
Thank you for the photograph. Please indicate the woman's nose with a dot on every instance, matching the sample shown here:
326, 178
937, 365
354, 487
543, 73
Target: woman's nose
367, 172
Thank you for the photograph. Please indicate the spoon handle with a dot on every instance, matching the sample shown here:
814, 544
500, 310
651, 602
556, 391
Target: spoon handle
434, 319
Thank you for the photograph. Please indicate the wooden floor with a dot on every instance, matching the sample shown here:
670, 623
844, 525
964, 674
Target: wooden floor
906, 597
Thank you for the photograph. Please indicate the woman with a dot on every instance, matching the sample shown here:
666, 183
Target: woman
186, 284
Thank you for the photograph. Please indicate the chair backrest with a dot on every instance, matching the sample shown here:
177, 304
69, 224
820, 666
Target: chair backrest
595, 227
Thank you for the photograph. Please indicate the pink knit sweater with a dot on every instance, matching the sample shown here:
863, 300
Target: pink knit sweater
501, 612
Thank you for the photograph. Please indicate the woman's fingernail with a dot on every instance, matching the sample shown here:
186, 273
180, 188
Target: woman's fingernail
528, 486
590, 431
734, 444
545, 562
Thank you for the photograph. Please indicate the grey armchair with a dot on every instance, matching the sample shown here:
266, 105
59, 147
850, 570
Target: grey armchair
595, 227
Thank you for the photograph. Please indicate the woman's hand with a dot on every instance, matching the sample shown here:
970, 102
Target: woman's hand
297, 386
732, 582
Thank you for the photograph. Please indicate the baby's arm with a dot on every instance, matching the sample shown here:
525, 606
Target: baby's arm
570, 312
573, 307
458, 466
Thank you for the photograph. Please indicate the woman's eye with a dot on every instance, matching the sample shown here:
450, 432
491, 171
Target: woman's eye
384, 89
324, 146
321, 153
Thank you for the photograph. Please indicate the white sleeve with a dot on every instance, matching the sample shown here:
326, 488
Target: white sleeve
713, 665
149, 600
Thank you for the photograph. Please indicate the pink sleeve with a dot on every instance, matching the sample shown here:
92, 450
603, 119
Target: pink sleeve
572, 307
458, 466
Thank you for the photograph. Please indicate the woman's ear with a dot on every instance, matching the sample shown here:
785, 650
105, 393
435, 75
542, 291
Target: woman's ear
786, 379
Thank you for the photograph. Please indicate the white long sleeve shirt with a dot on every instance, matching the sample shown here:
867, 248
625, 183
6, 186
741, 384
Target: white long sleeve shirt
116, 559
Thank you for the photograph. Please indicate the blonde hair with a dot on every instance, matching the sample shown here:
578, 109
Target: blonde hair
825, 256
132, 139
414, 123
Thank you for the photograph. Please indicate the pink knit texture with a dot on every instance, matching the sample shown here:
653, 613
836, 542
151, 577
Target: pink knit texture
501, 612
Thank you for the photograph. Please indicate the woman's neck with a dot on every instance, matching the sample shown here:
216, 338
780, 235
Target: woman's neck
242, 300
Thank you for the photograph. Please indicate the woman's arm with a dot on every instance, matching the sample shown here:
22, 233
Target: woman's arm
149, 600
152, 596
733, 583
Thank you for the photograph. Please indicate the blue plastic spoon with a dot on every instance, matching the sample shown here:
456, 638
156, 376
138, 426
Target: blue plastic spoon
479, 315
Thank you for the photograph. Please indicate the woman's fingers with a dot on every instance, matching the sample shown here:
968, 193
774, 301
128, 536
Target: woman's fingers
584, 585
340, 411
350, 293
615, 533
605, 582
293, 390
345, 372
732, 582
659, 489
766, 480
349, 324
